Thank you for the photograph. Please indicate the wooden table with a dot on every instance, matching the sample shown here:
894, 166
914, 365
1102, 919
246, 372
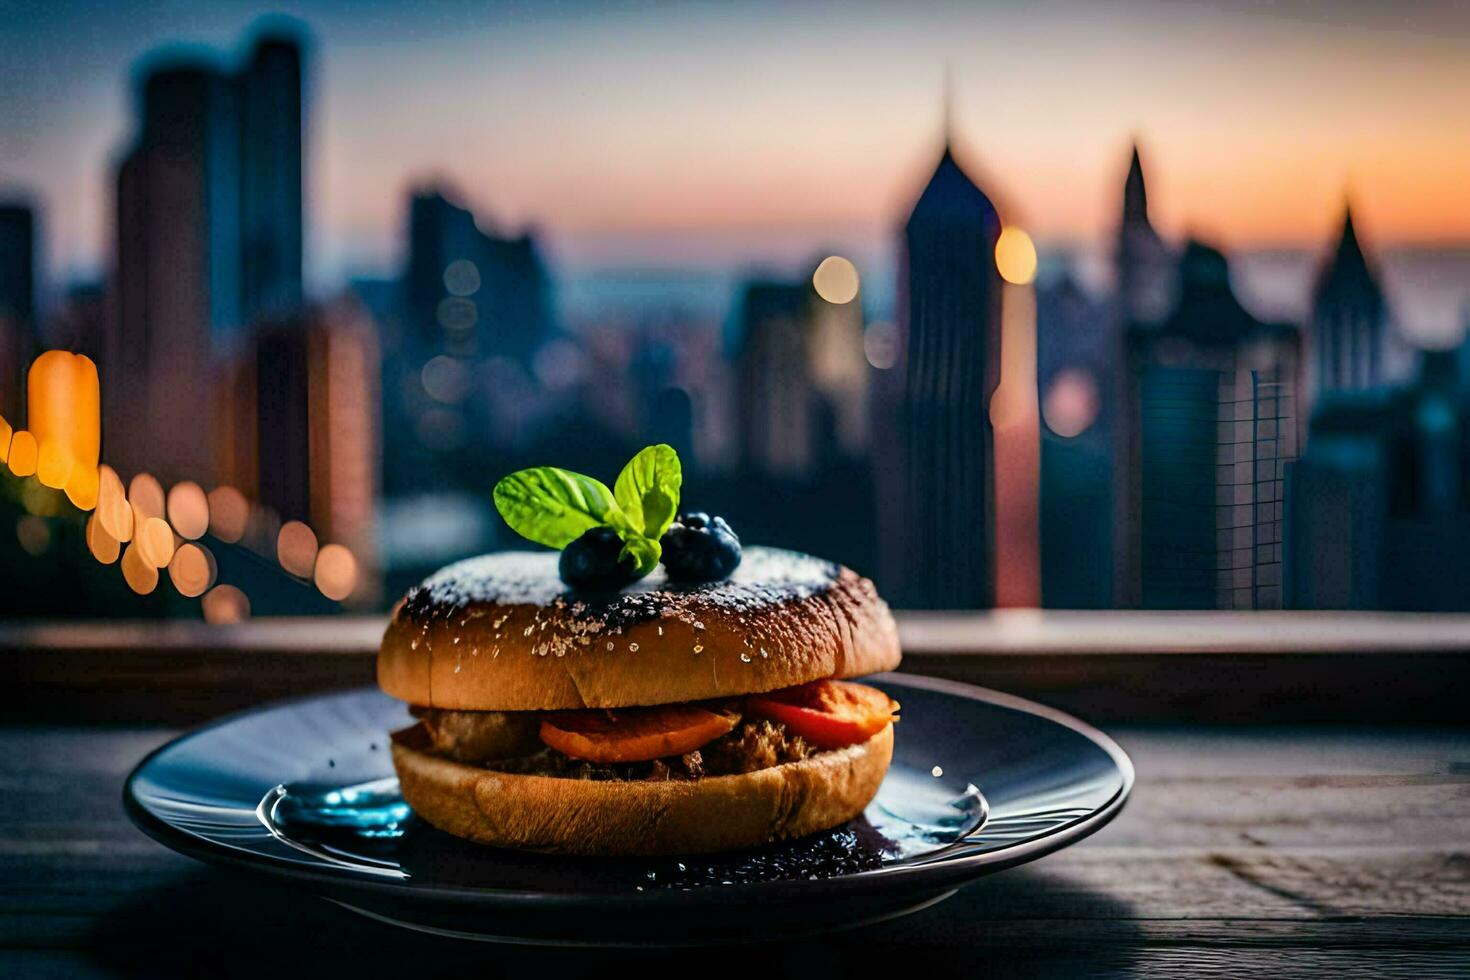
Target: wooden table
1332, 850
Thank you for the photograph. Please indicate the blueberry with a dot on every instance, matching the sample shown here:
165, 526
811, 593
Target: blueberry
592, 561
700, 548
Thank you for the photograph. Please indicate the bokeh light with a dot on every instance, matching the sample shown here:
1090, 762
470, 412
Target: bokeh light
225, 604
145, 493
1015, 256
141, 576
296, 548
836, 280
155, 541
6, 432
229, 512
457, 314
880, 345
336, 572
446, 379
462, 278
103, 546
1071, 402
63, 402
188, 509
559, 365
53, 464
23, 453
83, 487
191, 570
113, 510
34, 534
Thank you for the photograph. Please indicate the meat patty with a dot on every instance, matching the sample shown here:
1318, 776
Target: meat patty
508, 741
480, 736
754, 744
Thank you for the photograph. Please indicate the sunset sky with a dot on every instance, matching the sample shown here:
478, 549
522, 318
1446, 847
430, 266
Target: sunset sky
662, 133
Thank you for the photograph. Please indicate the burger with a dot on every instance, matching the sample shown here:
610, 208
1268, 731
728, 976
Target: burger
654, 689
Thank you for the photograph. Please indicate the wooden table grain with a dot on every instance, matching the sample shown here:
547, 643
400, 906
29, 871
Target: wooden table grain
1341, 851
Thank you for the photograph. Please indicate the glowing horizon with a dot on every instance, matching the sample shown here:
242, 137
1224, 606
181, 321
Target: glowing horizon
646, 127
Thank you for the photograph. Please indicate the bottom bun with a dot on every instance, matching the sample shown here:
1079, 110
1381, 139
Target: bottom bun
617, 817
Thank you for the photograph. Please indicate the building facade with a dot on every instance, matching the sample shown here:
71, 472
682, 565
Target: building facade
18, 275
208, 243
299, 424
1379, 504
801, 380
936, 483
1207, 427
1349, 319
474, 310
1145, 265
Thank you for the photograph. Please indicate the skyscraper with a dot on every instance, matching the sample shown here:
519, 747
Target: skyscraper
774, 388
176, 251
1348, 316
270, 91
474, 292
17, 305
300, 422
1145, 268
1206, 428
937, 486
1080, 352
209, 231
802, 380
1077, 343
1379, 507
475, 309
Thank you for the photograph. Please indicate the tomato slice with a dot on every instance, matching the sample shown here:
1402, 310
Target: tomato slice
634, 734
827, 713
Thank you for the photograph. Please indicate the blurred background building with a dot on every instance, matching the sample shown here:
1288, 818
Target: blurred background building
938, 503
1198, 448
18, 275
1349, 321
209, 244
1209, 407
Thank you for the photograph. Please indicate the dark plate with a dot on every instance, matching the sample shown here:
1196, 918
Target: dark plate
304, 791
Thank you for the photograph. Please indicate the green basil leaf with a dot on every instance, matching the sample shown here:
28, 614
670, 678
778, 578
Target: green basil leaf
645, 551
554, 507
648, 489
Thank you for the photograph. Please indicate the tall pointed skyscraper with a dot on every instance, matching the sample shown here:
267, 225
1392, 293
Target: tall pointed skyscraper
1347, 318
1145, 269
937, 521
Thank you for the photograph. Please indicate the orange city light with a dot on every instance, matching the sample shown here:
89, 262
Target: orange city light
113, 510
296, 548
23, 453
148, 529
64, 403
1015, 256
188, 509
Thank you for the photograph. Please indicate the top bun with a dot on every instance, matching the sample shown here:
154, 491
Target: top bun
503, 633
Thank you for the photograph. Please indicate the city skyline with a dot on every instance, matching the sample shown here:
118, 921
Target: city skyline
1173, 412
791, 128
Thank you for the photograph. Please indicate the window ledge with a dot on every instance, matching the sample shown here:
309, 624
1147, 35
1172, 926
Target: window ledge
1106, 666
